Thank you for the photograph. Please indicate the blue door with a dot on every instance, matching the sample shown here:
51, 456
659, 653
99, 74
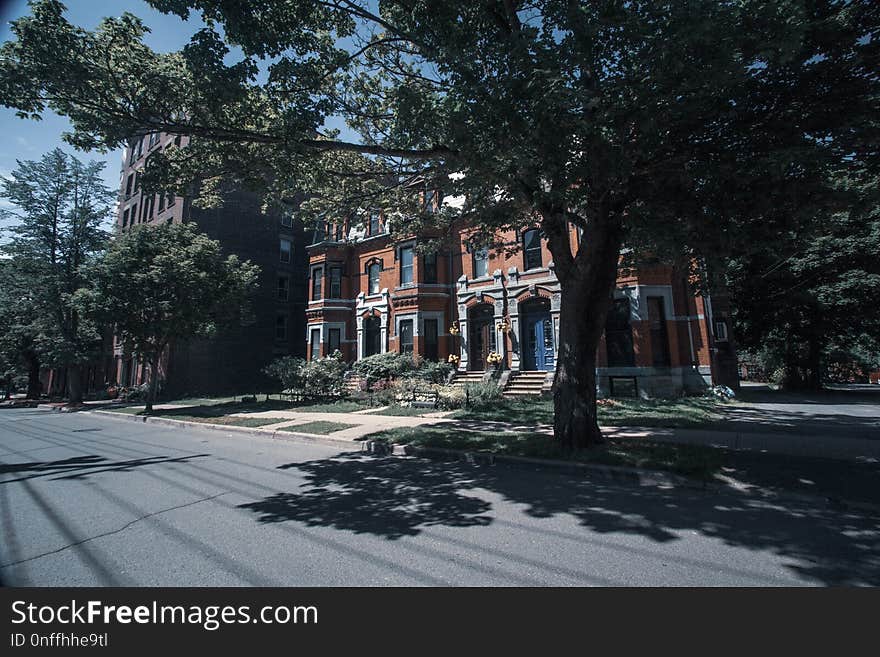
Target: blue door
538, 351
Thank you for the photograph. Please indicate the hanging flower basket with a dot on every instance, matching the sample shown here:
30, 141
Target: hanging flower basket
494, 358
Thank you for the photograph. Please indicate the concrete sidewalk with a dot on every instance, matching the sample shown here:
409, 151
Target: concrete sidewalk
825, 443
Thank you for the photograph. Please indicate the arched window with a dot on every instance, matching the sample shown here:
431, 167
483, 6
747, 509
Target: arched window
532, 257
373, 270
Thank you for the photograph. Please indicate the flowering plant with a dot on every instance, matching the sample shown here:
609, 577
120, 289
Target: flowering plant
454, 330
504, 326
452, 358
494, 358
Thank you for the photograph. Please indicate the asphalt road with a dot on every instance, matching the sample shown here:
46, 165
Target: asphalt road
91, 500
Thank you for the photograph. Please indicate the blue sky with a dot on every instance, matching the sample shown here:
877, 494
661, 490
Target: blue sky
28, 140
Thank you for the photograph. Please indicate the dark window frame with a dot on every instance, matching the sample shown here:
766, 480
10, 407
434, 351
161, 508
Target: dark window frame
282, 251
334, 287
283, 291
531, 253
377, 267
411, 267
429, 263
317, 283
406, 347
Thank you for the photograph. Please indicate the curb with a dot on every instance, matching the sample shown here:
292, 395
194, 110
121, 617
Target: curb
618, 473
277, 434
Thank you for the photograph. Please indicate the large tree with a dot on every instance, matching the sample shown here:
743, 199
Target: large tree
54, 229
18, 330
158, 285
630, 120
809, 300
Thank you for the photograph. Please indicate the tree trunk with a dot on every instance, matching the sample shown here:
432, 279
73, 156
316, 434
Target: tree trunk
34, 387
575, 422
587, 281
153, 388
74, 385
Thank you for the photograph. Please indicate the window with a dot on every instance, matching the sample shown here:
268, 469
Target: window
481, 263
375, 226
161, 202
532, 258
129, 185
140, 147
286, 219
317, 280
125, 218
137, 182
431, 338
334, 338
618, 335
315, 344
335, 282
430, 194
283, 288
429, 275
721, 331
281, 327
320, 233
373, 277
659, 337
285, 250
134, 214
406, 265
339, 229
406, 336
177, 140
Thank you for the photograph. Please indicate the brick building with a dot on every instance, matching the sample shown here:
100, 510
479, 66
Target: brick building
373, 292
231, 361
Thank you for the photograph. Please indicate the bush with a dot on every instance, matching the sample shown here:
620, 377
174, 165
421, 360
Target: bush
482, 395
434, 372
315, 379
450, 397
382, 367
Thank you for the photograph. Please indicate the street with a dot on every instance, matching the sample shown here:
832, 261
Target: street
91, 500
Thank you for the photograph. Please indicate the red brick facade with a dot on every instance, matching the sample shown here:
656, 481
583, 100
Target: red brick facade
370, 292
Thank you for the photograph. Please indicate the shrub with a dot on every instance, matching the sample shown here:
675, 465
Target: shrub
450, 397
434, 372
381, 367
315, 379
481, 395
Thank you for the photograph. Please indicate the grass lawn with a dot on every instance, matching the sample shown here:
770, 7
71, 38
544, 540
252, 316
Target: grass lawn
682, 412
405, 411
321, 427
690, 460
232, 420
220, 407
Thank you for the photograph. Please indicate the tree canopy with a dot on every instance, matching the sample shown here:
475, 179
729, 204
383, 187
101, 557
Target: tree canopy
160, 284
652, 123
55, 230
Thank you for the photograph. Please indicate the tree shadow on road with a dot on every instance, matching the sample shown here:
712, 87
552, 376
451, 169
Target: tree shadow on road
391, 497
81, 467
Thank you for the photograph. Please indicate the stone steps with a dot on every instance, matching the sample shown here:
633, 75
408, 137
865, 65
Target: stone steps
525, 384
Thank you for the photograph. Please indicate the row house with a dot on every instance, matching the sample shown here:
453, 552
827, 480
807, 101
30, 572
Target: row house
371, 291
